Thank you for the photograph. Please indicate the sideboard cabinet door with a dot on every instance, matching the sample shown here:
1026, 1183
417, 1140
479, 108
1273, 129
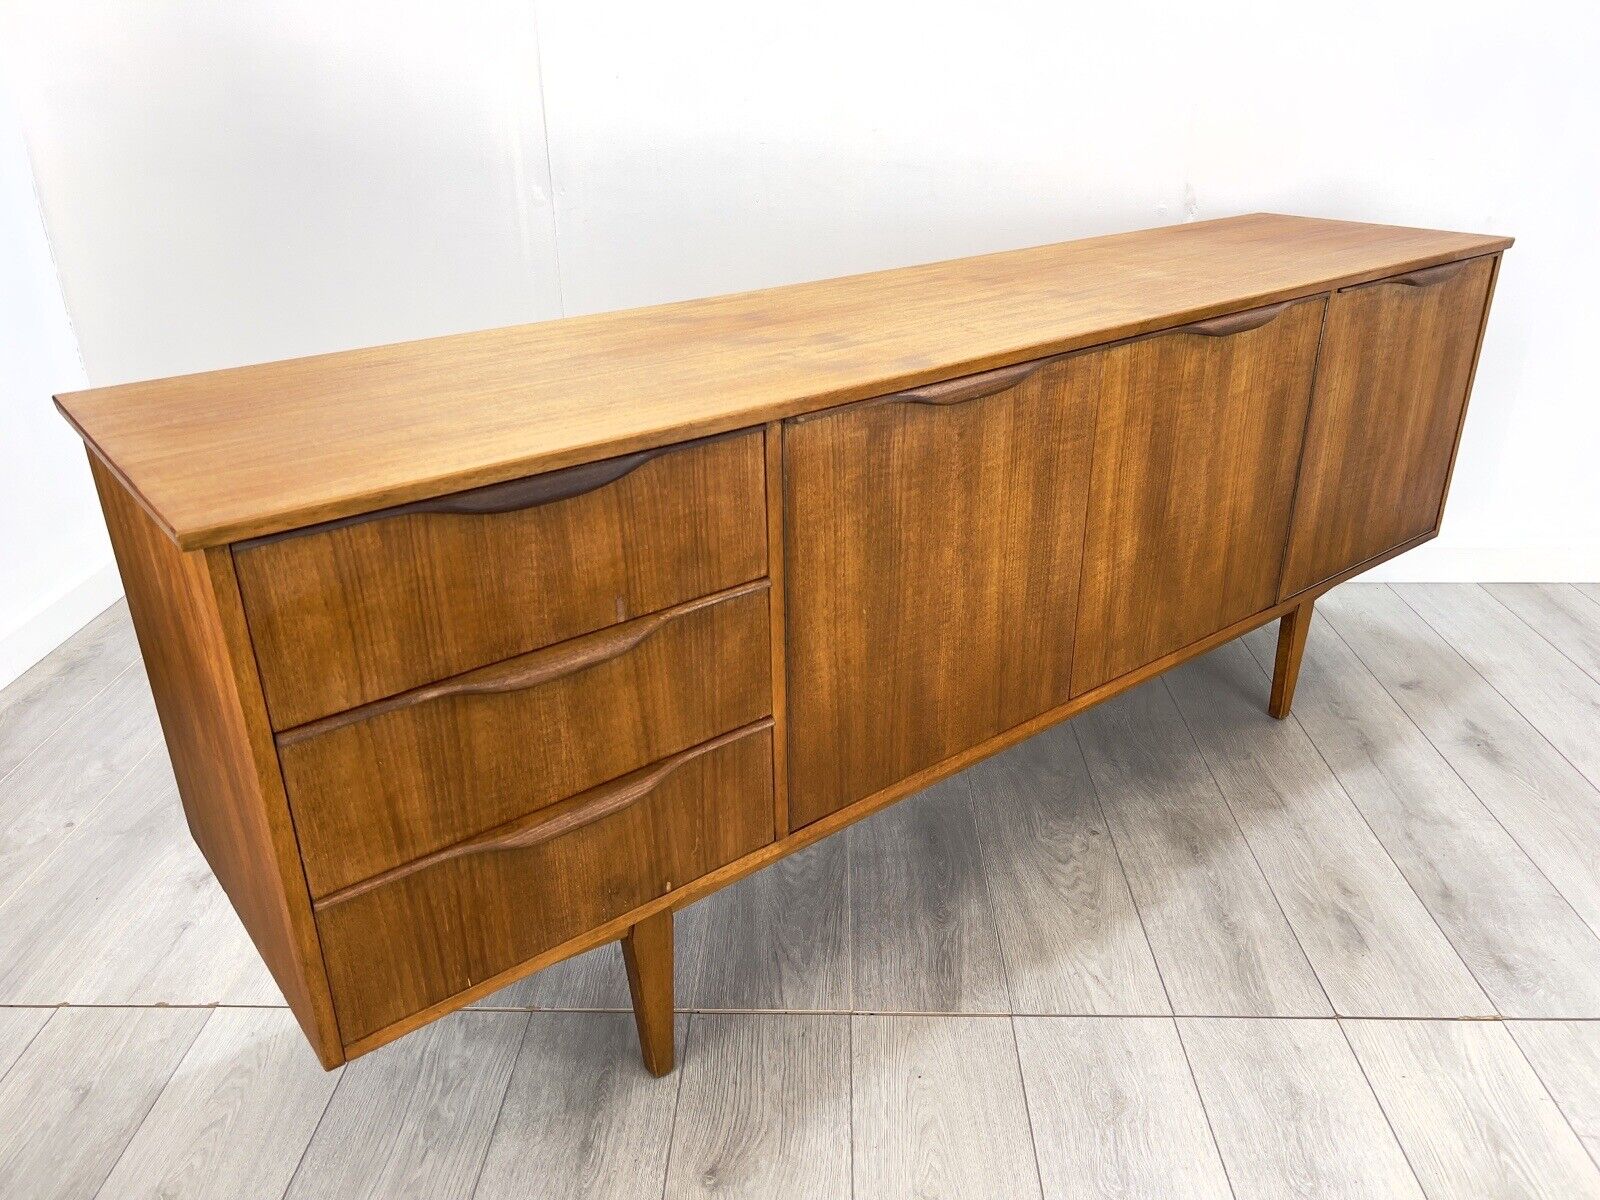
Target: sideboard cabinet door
1195, 452
933, 551
1392, 384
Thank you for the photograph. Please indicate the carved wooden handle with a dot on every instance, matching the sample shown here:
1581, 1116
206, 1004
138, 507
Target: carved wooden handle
1427, 277
556, 821
1232, 323
970, 387
510, 496
525, 670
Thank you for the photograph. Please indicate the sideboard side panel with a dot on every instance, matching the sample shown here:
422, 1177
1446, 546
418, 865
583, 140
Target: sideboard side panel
187, 615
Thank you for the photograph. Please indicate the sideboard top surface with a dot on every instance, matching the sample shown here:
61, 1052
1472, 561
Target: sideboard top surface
239, 453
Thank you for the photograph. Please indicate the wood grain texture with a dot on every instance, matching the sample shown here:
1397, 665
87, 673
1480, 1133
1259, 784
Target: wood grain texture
234, 1118
764, 1108
1555, 694
797, 840
64, 782
126, 912
422, 938
1543, 801
1566, 1057
1392, 384
552, 825
414, 1123
922, 929
1196, 446
772, 440
1293, 629
72, 1101
375, 793
778, 939
1114, 1110
349, 616
580, 1119
1471, 1115
933, 562
1292, 1113
647, 954
938, 1109
191, 629
1217, 931
43, 698
1377, 951
595, 979
18, 1028
1561, 614
1068, 928
1526, 947
238, 453
511, 496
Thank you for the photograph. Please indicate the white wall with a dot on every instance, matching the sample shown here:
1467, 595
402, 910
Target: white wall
231, 183
55, 563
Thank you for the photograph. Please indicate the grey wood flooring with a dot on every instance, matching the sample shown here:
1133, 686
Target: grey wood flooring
1171, 948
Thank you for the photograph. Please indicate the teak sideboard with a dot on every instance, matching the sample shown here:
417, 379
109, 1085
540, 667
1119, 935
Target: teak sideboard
474, 653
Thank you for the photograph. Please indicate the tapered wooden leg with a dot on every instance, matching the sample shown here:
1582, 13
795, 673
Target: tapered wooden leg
647, 951
1292, 630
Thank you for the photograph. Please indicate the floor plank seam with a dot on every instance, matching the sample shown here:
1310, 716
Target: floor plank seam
1378, 1100
1449, 762
1249, 846
1593, 1151
327, 1106
494, 1127
850, 1052
971, 808
1539, 633
1027, 1108
1127, 883
1205, 1109
83, 822
677, 1101
155, 1096
1594, 784
61, 724
1361, 815
1153, 1014
22, 1053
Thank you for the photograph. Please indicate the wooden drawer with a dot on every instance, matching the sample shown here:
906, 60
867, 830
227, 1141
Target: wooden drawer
378, 786
432, 928
353, 611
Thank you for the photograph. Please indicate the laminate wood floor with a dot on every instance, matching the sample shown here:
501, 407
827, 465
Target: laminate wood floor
1170, 949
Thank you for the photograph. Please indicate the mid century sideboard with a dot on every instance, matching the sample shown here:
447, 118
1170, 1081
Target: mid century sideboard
474, 653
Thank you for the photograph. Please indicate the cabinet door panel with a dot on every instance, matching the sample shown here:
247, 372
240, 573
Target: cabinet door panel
1196, 445
933, 557
1392, 384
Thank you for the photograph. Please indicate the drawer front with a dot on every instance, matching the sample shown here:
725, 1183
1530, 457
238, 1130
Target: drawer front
433, 928
1392, 381
354, 612
379, 786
